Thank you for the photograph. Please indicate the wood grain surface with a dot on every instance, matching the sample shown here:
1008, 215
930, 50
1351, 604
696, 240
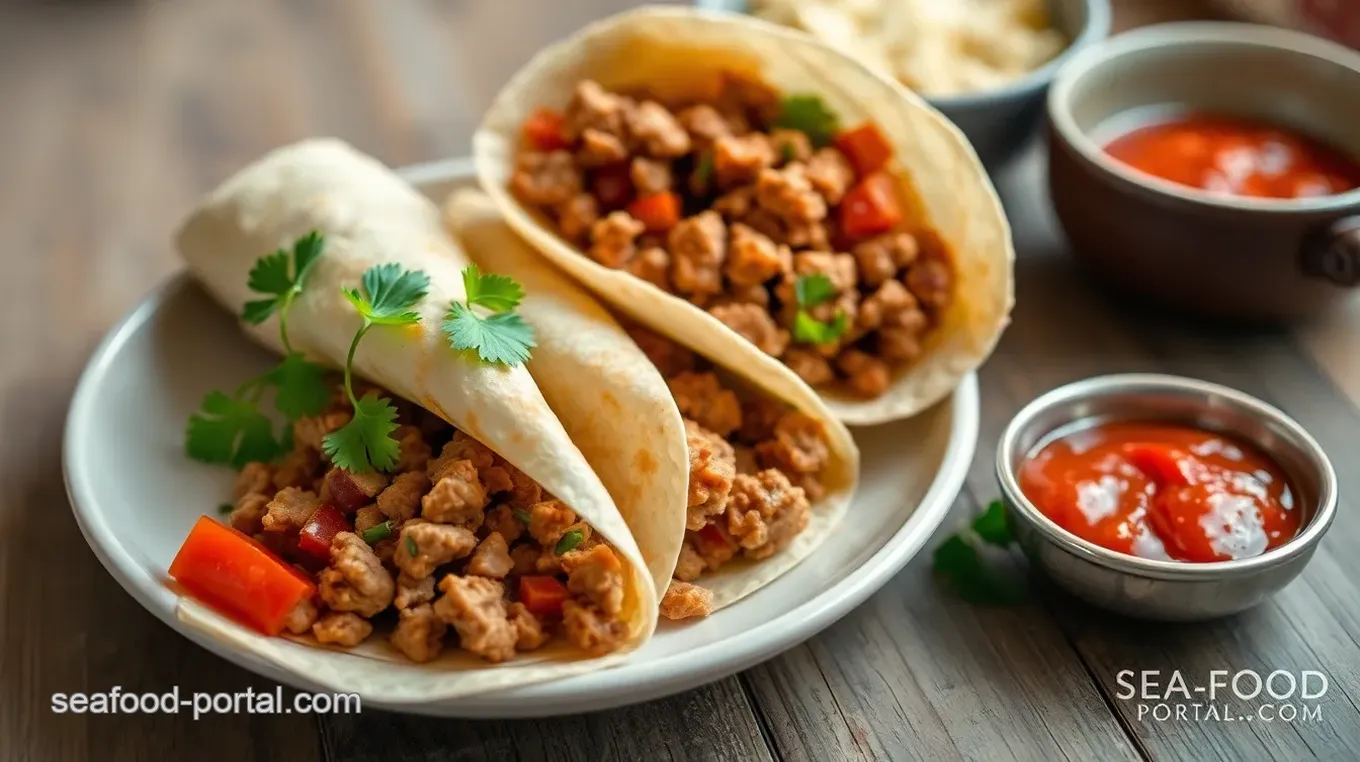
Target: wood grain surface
117, 114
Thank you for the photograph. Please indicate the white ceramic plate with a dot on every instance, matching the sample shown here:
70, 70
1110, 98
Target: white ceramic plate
135, 497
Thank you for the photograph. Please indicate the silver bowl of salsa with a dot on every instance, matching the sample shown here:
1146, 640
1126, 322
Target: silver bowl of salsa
1277, 486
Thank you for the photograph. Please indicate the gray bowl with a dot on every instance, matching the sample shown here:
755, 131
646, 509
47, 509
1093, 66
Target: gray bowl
1165, 590
1000, 122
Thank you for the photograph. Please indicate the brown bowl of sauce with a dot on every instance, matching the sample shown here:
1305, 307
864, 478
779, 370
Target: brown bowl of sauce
1164, 497
1213, 167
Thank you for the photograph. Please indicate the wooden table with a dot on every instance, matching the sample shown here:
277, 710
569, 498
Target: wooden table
116, 115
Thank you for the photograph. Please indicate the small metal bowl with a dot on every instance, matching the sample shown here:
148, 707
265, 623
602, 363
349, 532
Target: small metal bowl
1165, 590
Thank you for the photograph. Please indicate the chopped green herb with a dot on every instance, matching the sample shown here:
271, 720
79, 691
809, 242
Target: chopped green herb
411, 547
225, 508
810, 291
809, 330
787, 152
569, 540
703, 171
810, 116
231, 429
365, 443
378, 532
501, 338
960, 563
522, 515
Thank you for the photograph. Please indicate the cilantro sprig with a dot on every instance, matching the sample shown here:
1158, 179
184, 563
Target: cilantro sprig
500, 337
810, 116
231, 428
387, 297
810, 291
960, 560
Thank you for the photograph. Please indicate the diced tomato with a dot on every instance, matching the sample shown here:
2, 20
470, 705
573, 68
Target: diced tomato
544, 130
865, 147
1161, 463
612, 186
316, 535
350, 491
238, 576
542, 595
871, 207
658, 211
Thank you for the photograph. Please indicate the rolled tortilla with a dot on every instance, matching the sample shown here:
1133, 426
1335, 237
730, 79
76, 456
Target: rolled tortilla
668, 50
567, 319
370, 216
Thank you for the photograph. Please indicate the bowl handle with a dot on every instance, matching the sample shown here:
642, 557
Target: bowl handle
1334, 255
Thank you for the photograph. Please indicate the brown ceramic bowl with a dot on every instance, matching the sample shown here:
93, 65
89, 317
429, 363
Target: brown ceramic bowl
1224, 257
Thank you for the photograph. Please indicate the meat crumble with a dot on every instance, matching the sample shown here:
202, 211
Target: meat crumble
722, 204
754, 471
456, 547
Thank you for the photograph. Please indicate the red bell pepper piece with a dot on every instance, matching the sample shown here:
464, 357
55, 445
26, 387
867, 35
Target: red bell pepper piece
871, 207
865, 147
542, 595
544, 130
658, 211
317, 534
238, 576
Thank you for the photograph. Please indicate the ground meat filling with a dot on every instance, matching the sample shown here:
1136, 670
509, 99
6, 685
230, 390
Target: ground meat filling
755, 467
755, 209
467, 534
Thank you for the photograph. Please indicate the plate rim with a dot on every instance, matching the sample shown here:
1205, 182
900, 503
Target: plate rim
629, 683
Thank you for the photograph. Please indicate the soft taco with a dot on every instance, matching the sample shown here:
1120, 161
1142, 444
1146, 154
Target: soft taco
750, 192
770, 472
431, 530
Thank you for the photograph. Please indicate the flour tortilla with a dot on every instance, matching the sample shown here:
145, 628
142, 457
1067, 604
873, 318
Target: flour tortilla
670, 49
370, 216
581, 333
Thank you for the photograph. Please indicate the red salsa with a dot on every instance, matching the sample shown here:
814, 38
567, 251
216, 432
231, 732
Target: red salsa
1236, 157
1163, 491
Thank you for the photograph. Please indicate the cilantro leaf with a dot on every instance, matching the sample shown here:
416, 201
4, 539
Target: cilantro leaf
812, 290
960, 561
270, 274
306, 250
991, 526
810, 116
963, 568
365, 443
259, 310
301, 387
229, 430
502, 338
497, 293
389, 293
